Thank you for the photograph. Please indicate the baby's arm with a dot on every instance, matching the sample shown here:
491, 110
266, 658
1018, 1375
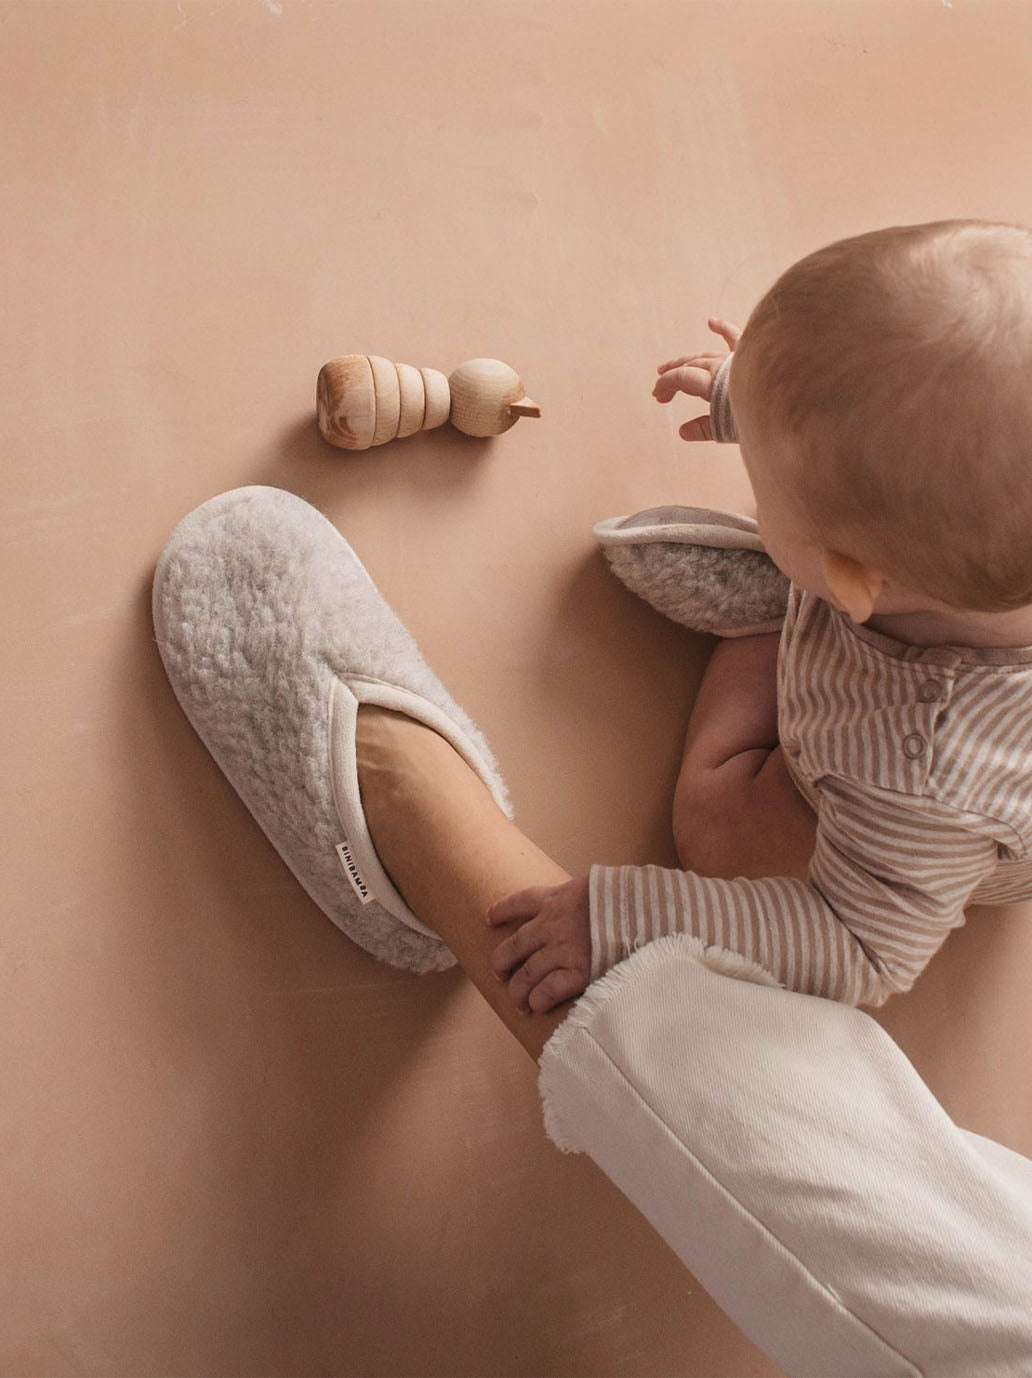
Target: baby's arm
889, 879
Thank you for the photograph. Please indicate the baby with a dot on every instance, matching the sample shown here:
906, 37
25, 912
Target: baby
834, 832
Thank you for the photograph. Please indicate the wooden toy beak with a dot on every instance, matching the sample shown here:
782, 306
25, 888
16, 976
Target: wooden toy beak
524, 407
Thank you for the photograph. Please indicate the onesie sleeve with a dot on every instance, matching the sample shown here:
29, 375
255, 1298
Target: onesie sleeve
889, 878
722, 422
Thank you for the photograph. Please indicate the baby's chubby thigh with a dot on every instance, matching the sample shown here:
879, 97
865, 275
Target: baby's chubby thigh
736, 809
745, 818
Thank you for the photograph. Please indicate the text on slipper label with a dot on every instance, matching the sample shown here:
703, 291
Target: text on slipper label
353, 873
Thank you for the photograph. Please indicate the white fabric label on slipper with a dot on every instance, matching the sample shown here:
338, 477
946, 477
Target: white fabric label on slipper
353, 873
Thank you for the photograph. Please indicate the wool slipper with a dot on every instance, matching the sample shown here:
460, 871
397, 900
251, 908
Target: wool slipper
272, 634
706, 569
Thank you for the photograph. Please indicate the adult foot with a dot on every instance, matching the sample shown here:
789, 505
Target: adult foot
448, 849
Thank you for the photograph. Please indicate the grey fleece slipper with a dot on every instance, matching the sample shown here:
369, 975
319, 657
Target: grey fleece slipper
705, 569
272, 634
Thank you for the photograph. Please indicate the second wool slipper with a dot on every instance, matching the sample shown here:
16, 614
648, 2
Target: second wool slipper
705, 569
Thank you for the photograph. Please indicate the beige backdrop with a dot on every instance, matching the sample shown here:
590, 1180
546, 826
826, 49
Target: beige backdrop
231, 1142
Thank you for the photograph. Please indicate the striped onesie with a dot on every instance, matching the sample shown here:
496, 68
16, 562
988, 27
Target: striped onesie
918, 764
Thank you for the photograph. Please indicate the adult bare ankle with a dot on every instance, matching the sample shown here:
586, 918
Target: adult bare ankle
449, 849
419, 796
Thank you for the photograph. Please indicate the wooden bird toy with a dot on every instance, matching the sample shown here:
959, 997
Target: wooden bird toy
363, 400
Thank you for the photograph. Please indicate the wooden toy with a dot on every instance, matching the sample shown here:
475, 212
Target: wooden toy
364, 400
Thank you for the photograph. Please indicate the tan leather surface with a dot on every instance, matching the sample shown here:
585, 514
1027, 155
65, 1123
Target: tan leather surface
231, 1142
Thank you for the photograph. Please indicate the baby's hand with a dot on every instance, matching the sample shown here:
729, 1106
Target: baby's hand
548, 959
693, 374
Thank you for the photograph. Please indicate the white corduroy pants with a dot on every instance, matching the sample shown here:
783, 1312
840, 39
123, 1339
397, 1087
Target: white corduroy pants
789, 1153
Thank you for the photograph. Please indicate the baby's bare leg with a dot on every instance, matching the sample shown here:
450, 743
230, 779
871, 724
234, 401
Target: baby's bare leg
450, 851
736, 810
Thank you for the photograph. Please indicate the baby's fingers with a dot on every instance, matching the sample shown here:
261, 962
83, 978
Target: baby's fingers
701, 428
544, 981
696, 382
521, 904
558, 985
731, 333
511, 954
701, 359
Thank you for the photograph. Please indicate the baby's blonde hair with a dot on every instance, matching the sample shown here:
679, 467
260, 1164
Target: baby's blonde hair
895, 369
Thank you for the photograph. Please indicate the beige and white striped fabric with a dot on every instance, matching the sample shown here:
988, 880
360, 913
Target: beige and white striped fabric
918, 763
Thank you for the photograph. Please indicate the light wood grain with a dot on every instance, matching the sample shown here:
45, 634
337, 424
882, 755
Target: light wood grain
413, 400
485, 396
438, 398
388, 399
346, 402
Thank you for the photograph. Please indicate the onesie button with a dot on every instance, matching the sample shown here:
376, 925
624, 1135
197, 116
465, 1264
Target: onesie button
930, 691
914, 745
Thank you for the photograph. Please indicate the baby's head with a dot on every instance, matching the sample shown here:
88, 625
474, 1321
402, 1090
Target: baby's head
883, 395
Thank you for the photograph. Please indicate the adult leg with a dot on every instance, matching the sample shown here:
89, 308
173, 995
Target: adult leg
788, 1152
782, 1145
450, 851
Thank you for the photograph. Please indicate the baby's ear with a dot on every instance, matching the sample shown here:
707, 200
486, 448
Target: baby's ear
854, 587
